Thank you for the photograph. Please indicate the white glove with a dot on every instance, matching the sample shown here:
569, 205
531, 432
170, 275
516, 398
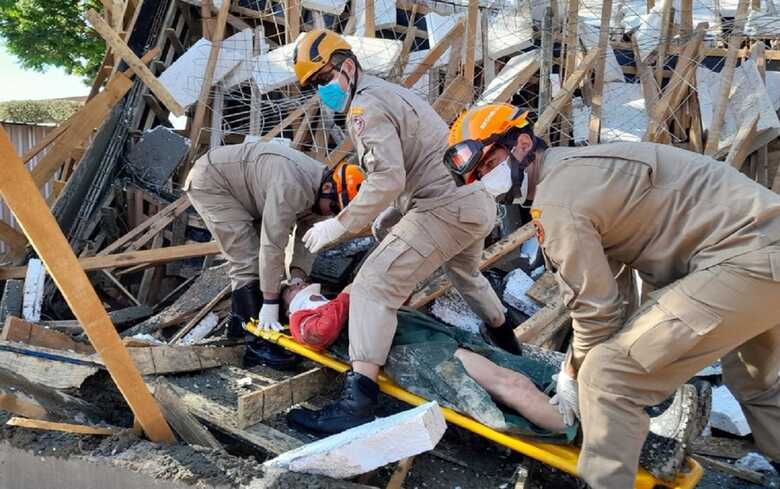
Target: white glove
269, 317
323, 233
384, 221
566, 396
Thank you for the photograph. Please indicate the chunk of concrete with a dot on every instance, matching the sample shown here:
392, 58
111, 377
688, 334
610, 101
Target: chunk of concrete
369, 446
623, 117
332, 7
451, 308
757, 462
517, 284
184, 77
726, 414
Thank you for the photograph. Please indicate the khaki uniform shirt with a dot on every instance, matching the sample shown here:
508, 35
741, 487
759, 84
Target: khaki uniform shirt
663, 211
400, 142
275, 185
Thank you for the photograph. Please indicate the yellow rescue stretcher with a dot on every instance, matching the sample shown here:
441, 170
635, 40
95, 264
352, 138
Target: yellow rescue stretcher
562, 457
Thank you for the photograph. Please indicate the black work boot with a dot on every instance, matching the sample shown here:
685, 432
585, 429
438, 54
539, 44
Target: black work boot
245, 305
356, 406
502, 337
262, 352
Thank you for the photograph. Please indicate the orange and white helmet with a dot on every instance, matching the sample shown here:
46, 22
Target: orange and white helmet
476, 130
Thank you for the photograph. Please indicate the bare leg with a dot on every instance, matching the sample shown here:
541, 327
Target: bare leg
512, 389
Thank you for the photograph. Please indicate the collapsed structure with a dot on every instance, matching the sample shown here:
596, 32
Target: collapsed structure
693, 74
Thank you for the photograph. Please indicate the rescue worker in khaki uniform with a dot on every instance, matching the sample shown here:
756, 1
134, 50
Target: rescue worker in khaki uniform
251, 197
703, 235
400, 141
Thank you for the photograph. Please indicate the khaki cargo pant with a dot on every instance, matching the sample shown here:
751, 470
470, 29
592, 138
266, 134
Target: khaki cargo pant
729, 311
451, 235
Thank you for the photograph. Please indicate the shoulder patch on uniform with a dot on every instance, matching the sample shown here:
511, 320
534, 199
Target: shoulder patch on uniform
358, 124
539, 231
536, 213
355, 111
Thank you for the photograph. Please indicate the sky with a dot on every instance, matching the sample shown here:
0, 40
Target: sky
20, 84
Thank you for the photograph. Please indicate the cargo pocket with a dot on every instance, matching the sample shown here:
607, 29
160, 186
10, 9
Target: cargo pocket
399, 255
668, 330
774, 261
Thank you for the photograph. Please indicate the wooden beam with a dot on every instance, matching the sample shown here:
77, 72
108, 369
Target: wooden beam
726, 79
517, 82
273, 399
646, 79
208, 78
173, 38
20, 331
675, 89
42, 230
686, 17
455, 99
571, 44
743, 141
129, 259
160, 360
472, 17
39, 424
434, 54
542, 126
292, 20
399, 474
490, 256
14, 404
141, 234
139, 67
409, 36
546, 65
598, 84
47, 140
369, 17
667, 20
189, 429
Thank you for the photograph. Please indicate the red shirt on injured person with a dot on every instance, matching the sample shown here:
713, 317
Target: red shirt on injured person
315, 321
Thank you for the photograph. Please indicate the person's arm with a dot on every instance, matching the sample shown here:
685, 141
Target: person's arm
284, 200
588, 289
379, 151
302, 259
318, 328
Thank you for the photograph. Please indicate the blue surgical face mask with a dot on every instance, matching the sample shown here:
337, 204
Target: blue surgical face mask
332, 95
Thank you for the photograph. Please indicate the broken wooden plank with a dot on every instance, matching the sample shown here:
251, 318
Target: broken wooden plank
201, 314
455, 99
42, 230
736, 471
542, 126
273, 399
57, 369
598, 83
208, 78
743, 141
733, 448
21, 331
224, 419
183, 423
399, 474
54, 401
543, 325
544, 290
120, 48
141, 234
491, 255
726, 78
472, 16
147, 257
158, 360
434, 54
39, 424
14, 404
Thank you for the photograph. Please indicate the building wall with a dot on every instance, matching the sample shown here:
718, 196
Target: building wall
23, 137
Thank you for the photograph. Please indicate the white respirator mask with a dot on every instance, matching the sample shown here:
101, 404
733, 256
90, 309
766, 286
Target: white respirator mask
308, 298
498, 182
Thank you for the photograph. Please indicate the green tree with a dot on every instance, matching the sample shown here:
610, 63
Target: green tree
46, 33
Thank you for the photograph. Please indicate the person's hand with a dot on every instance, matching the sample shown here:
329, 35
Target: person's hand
322, 234
566, 396
384, 221
269, 317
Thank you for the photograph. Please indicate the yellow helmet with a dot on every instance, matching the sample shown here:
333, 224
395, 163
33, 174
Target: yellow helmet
314, 51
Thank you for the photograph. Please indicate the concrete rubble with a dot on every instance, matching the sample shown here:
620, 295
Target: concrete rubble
366, 447
726, 414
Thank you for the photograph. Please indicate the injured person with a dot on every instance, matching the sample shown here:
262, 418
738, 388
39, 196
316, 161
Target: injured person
509, 393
